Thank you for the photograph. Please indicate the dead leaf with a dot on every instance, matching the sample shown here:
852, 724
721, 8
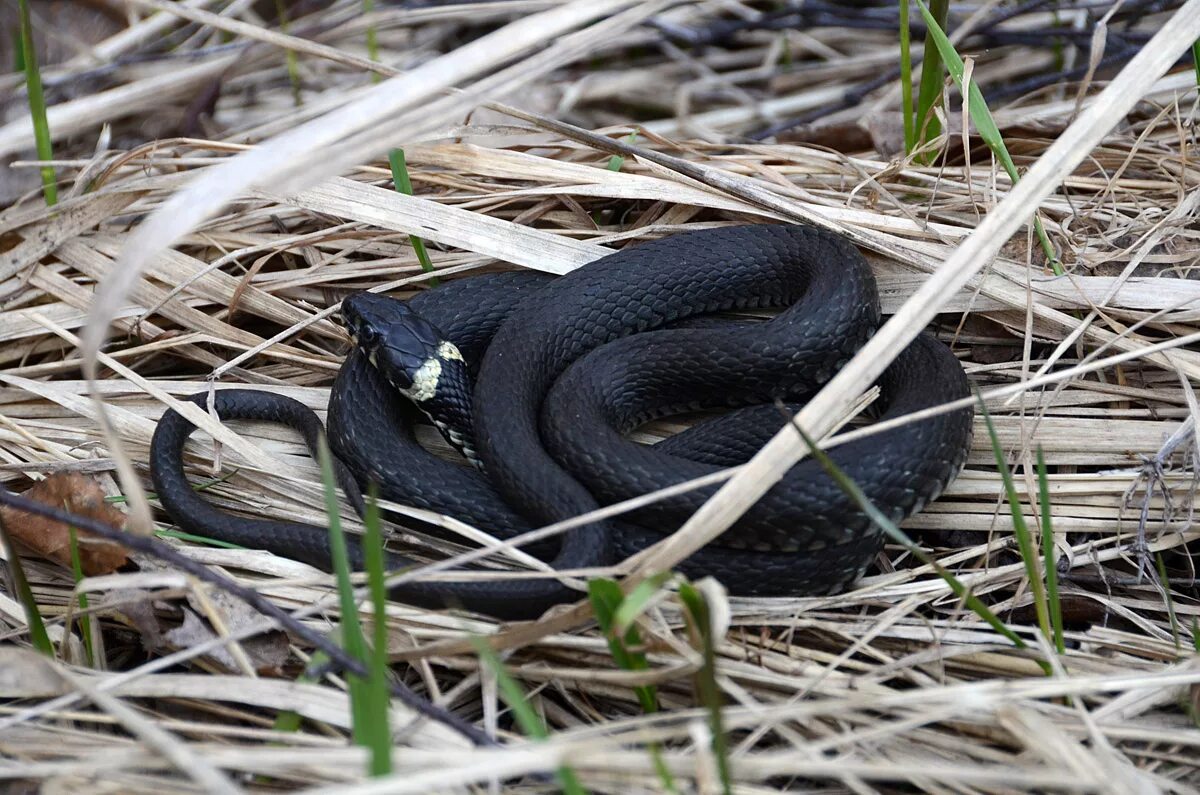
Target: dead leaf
267, 653
78, 494
156, 616
27, 674
137, 606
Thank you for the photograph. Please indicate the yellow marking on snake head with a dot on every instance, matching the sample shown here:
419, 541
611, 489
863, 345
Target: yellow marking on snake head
449, 351
425, 381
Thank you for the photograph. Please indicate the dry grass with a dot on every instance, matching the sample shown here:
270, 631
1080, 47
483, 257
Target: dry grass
892, 687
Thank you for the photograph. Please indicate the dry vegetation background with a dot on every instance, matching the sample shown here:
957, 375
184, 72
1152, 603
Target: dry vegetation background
894, 687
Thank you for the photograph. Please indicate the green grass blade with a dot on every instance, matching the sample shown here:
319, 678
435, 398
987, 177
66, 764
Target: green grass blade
981, 117
292, 61
855, 493
1020, 528
403, 184
368, 6
926, 125
606, 598
37, 103
906, 85
1172, 616
1048, 563
85, 620
352, 637
1196, 60
33, 616
289, 720
370, 725
212, 542
696, 610
377, 664
625, 643
119, 499
617, 161
639, 599
1057, 47
513, 696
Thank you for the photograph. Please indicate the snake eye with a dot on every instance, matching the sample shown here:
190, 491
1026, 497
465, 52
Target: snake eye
368, 336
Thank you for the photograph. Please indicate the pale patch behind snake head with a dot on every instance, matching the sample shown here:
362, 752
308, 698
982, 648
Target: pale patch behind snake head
408, 350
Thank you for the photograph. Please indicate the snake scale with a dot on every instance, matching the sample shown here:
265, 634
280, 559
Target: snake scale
563, 368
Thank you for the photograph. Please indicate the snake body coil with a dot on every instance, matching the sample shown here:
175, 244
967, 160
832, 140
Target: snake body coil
567, 366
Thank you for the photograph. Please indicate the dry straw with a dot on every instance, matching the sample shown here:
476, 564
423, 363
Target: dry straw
221, 253
971, 256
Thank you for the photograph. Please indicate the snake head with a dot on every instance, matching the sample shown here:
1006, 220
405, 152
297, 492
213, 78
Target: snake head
406, 348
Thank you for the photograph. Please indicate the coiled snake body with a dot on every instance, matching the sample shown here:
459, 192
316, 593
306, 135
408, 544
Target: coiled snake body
562, 376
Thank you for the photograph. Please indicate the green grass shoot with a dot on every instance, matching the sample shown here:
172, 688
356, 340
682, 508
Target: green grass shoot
368, 6
981, 116
404, 185
617, 161
625, 644
1058, 47
960, 590
85, 620
625, 647
514, 697
638, 600
1172, 616
293, 62
289, 720
1020, 529
906, 87
119, 499
38, 635
926, 125
1196, 60
369, 714
37, 103
699, 617
1049, 565
195, 539
377, 664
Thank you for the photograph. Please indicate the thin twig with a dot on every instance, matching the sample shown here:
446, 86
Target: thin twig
164, 552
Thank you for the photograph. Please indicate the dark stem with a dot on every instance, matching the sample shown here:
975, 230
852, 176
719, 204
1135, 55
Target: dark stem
340, 659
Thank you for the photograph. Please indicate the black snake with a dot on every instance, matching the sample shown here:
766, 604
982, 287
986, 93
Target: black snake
561, 377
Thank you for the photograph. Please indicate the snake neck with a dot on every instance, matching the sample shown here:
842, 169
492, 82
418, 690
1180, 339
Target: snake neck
446, 400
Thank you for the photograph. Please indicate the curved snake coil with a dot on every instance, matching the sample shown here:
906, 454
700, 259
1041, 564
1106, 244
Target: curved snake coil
565, 367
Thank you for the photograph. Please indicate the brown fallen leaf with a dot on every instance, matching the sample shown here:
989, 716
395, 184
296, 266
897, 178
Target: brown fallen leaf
157, 617
78, 494
137, 606
266, 653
